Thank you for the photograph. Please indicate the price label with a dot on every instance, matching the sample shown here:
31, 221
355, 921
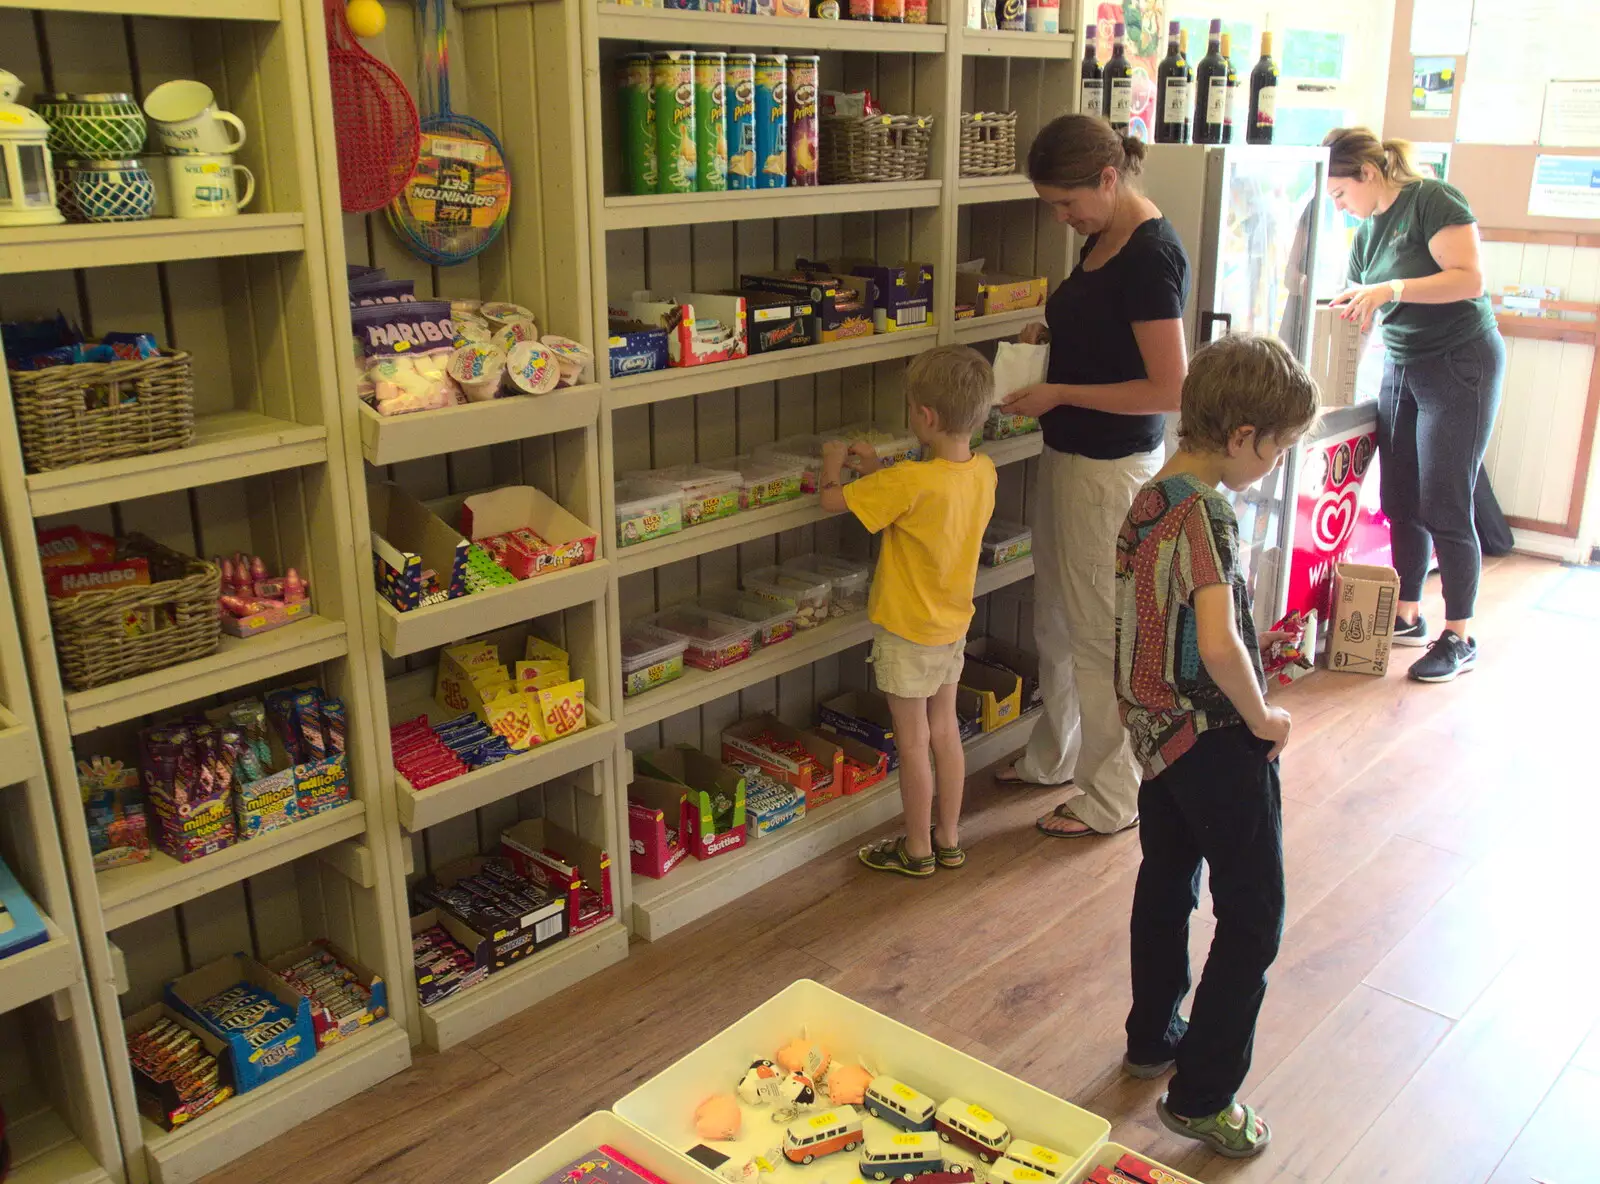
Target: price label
908, 1140
906, 1092
822, 1120
980, 1114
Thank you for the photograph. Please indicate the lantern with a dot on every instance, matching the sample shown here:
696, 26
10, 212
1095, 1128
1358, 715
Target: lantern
27, 184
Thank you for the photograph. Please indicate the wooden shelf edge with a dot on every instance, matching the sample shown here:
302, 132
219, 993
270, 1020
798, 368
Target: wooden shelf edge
156, 240
405, 633
689, 209
225, 10
395, 439
39, 970
623, 22
19, 750
1000, 324
245, 1122
504, 994
236, 662
1011, 44
129, 894
978, 190
693, 889
45, 1151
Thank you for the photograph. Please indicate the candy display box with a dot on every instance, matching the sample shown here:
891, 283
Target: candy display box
269, 619
664, 1105
683, 317
543, 924
712, 811
1109, 1155
655, 826
606, 1130
904, 297
777, 748
407, 540
569, 868
843, 303
861, 766
563, 541
994, 292
994, 652
331, 1029
258, 1057
160, 1101
995, 694
863, 716
635, 348
777, 321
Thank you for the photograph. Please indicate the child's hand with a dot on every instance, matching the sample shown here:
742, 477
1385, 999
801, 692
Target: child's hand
866, 457
1265, 641
834, 453
1273, 728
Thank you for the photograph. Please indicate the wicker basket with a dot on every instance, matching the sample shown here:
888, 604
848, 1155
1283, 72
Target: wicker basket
73, 415
988, 143
874, 148
93, 640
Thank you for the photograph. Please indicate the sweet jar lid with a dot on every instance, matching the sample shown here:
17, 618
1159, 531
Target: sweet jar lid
105, 97
106, 165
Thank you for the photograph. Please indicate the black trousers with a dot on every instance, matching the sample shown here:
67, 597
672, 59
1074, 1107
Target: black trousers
1220, 803
1434, 421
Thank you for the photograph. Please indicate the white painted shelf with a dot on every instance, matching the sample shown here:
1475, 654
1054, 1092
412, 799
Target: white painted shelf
696, 687
19, 750
128, 894
770, 520
243, 1123
689, 209
419, 629
974, 190
677, 382
411, 695
40, 970
517, 988
237, 662
226, 10
394, 439
1000, 324
694, 888
45, 1151
623, 22
1002, 44
227, 447
157, 240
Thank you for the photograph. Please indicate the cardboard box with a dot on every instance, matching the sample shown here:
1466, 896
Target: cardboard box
863, 716
655, 826
495, 942
993, 651
993, 291
903, 297
843, 303
567, 541
677, 315
861, 766
700, 779
740, 745
1336, 346
635, 347
996, 693
1363, 618
331, 1029
770, 805
408, 539
258, 1056
161, 1101
275, 617
777, 321
569, 868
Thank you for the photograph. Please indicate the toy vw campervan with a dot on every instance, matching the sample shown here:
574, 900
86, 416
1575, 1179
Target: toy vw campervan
972, 1128
899, 1105
822, 1134
1046, 1161
901, 1156
1009, 1171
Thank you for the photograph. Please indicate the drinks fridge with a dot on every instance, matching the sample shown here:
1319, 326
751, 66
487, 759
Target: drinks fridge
1253, 220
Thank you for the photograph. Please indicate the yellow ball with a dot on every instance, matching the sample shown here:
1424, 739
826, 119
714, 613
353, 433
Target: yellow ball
366, 17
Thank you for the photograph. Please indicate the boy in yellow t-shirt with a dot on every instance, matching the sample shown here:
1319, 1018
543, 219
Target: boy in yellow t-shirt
932, 514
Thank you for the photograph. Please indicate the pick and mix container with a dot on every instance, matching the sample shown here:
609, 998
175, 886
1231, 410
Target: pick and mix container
1005, 542
848, 580
806, 595
647, 509
773, 622
650, 657
708, 493
711, 640
769, 480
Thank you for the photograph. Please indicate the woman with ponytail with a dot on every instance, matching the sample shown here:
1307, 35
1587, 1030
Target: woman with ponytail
1115, 327
1415, 267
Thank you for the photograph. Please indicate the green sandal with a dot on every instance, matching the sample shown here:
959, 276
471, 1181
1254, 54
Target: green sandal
889, 855
1219, 1132
945, 856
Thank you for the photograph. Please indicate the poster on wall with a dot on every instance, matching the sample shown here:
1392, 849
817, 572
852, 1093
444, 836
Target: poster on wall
1441, 27
1565, 187
1433, 87
1517, 47
1571, 115
1141, 20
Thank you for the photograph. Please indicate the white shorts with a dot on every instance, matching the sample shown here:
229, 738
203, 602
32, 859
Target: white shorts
911, 671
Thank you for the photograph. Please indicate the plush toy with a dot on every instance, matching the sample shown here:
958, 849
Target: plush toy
805, 1056
758, 1086
794, 1093
847, 1084
718, 1117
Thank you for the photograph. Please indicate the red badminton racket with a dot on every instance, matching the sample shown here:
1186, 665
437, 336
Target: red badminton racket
374, 121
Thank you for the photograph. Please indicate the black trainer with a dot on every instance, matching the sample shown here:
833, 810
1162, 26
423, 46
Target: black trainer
1411, 636
1446, 658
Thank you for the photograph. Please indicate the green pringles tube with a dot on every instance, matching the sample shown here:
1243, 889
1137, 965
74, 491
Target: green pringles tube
676, 151
636, 100
710, 121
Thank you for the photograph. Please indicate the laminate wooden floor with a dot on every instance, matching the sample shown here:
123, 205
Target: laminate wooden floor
1434, 1014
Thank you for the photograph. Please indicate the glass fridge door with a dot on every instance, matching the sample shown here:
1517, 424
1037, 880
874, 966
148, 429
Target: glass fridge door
1259, 276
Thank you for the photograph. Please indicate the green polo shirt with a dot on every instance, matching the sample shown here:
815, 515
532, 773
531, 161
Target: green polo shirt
1393, 245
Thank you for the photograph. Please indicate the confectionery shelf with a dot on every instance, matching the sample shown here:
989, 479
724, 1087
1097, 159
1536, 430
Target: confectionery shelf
688, 209
227, 10
45, 1151
1000, 324
19, 748
395, 439
976, 190
39, 970
165, 240
995, 43
418, 629
663, 26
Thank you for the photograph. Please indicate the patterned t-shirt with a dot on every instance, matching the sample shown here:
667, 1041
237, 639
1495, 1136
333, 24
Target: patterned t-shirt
1181, 535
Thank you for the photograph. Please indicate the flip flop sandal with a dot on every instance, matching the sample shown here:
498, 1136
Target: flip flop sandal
889, 855
946, 856
1014, 781
1218, 1132
1064, 811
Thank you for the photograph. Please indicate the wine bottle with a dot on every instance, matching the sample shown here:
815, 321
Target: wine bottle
1118, 77
1172, 91
1263, 96
1210, 89
1188, 81
1232, 91
1091, 96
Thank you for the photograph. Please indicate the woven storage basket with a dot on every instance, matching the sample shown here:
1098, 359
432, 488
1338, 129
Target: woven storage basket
73, 415
874, 148
988, 143
91, 629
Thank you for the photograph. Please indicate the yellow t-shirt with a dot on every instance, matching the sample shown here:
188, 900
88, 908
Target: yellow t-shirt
933, 514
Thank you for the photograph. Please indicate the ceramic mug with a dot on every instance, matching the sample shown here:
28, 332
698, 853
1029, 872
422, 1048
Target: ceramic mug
156, 166
184, 116
207, 186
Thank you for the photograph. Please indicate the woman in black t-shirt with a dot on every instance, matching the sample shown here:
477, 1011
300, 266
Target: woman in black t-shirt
1117, 362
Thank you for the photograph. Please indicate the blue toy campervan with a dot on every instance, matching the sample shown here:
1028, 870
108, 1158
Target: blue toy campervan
899, 1105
